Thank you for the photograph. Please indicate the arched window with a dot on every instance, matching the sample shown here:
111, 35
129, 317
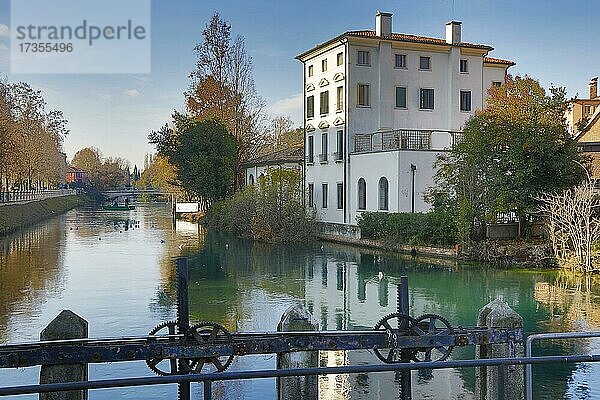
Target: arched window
383, 193
362, 194
251, 180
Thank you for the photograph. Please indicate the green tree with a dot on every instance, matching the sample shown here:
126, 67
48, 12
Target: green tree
205, 160
513, 150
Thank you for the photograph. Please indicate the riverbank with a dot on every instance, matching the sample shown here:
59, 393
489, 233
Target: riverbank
507, 254
16, 216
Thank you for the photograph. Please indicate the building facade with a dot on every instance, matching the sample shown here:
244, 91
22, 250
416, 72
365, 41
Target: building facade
379, 107
76, 177
290, 158
583, 109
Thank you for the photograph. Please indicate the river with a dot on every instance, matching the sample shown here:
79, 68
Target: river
116, 270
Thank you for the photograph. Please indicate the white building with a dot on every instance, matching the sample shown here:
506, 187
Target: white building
379, 107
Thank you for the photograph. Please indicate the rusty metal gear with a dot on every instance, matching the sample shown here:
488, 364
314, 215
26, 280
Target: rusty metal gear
207, 333
435, 325
165, 366
395, 324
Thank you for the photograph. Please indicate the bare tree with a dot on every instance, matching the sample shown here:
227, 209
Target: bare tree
573, 224
222, 86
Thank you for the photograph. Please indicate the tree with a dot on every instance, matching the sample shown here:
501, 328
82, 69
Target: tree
205, 160
573, 223
513, 150
222, 86
283, 134
88, 159
159, 174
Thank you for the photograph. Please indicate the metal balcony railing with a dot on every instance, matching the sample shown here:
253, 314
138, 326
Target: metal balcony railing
338, 156
402, 139
323, 158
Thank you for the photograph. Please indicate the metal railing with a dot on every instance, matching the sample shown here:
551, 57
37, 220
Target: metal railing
548, 336
401, 139
33, 195
208, 379
323, 158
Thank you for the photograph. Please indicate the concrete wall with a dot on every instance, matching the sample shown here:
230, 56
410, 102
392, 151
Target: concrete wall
396, 167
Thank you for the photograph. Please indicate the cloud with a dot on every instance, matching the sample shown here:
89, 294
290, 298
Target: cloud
290, 106
132, 92
4, 30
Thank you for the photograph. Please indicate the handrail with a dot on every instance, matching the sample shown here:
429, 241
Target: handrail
259, 374
542, 336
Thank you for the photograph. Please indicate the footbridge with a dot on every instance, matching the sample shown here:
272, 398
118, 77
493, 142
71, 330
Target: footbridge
131, 192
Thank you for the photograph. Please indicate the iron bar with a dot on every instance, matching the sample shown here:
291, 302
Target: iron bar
548, 336
183, 316
404, 308
259, 374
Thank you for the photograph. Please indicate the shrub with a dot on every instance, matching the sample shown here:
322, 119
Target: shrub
422, 229
271, 211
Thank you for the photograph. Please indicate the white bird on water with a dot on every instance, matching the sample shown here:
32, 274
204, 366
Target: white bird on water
380, 275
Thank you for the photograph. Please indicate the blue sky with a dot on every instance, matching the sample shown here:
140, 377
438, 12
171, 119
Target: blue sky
553, 41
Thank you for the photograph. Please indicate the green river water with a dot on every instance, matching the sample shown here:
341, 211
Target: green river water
116, 270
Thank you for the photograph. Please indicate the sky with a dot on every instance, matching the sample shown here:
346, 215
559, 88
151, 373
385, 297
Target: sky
550, 40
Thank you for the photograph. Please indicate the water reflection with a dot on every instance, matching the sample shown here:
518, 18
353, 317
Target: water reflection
31, 270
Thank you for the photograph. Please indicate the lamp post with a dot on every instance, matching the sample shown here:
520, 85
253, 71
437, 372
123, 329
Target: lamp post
413, 168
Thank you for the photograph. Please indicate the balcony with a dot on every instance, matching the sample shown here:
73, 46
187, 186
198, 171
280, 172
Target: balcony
404, 139
338, 156
323, 158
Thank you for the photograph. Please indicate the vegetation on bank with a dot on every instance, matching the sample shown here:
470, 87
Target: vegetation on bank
31, 139
16, 216
418, 229
272, 210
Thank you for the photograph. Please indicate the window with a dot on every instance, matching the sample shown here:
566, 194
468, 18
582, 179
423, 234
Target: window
465, 100
340, 59
311, 195
325, 195
383, 193
251, 180
311, 149
339, 150
400, 61
340, 98
400, 97
464, 66
324, 65
364, 57
588, 109
364, 95
496, 84
427, 97
340, 196
324, 147
425, 63
362, 194
310, 106
324, 104
310, 70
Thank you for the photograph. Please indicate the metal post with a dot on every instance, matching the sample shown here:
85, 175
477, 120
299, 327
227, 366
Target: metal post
403, 308
207, 390
413, 168
183, 315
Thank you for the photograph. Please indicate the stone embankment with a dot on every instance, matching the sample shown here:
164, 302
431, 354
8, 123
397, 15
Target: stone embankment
16, 216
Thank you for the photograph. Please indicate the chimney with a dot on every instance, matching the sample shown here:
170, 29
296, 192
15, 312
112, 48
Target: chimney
453, 32
383, 24
594, 88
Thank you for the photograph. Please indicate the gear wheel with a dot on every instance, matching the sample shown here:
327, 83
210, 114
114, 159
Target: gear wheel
432, 325
158, 365
207, 333
404, 324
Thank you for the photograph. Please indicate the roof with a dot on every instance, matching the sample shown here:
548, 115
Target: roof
591, 122
492, 60
290, 155
71, 168
399, 37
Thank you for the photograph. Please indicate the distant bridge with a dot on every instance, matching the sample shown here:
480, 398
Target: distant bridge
130, 192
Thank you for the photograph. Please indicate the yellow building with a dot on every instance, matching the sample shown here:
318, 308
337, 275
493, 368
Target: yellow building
583, 109
589, 141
